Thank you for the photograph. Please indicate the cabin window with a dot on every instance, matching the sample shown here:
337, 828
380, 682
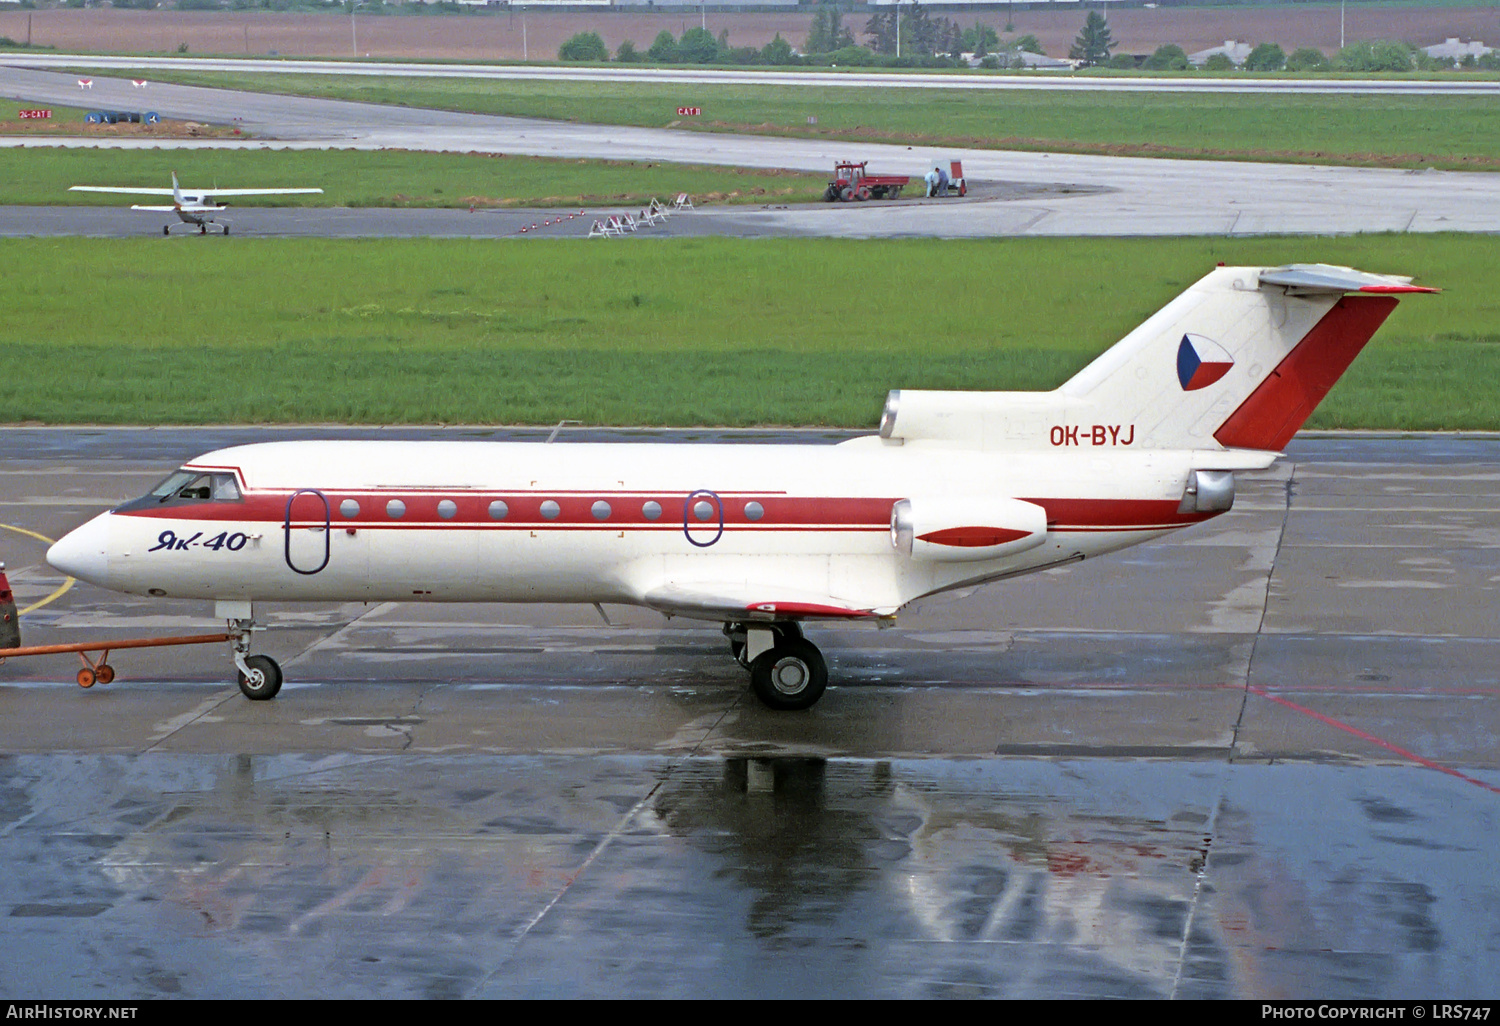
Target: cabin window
447, 509
600, 510
498, 510
651, 510
349, 508
754, 511
703, 509
395, 509
551, 509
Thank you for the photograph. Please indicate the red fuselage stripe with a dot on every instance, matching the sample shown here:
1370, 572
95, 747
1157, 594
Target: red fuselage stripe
575, 512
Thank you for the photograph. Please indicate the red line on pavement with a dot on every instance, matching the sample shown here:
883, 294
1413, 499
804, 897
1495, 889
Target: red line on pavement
1363, 735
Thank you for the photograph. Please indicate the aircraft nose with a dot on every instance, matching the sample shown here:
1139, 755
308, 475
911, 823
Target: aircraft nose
83, 553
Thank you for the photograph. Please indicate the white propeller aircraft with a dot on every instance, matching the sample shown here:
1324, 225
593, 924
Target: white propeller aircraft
957, 489
192, 207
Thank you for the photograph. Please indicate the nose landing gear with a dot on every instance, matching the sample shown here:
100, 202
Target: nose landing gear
259, 675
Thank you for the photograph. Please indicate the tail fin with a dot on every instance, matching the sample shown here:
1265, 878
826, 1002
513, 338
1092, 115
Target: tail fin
1239, 360
176, 190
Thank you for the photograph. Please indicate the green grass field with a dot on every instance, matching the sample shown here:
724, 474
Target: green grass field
387, 178
1388, 131
663, 331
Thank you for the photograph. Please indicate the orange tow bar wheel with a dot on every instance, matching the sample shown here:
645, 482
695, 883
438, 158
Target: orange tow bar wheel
86, 678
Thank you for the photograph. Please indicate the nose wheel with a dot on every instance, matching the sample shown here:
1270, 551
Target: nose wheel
259, 675
261, 678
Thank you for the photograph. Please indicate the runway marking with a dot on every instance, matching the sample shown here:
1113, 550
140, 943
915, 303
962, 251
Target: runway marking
1363, 735
67, 581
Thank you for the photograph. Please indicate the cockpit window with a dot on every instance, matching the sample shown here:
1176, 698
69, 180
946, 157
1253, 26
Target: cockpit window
173, 483
189, 486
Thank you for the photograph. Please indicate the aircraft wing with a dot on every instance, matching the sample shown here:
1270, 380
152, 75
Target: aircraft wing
160, 210
751, 602
113, 188
191, 192
248, 192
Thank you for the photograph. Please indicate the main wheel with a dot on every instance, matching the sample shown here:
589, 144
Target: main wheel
791, 676
264, 680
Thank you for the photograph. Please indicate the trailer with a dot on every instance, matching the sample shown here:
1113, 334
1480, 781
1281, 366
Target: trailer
852, 182
957, 186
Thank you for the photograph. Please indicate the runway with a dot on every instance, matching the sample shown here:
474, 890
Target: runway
762, 77
1061, 194
1258, 760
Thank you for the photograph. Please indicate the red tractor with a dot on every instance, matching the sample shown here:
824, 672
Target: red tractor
852, 182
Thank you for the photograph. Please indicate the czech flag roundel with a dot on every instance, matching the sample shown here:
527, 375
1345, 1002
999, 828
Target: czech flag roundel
1201, 362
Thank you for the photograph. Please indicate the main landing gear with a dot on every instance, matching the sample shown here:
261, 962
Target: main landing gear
787, 672
221, 226
260, 675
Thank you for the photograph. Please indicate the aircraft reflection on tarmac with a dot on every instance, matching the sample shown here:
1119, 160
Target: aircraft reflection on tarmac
581, 876
796, 849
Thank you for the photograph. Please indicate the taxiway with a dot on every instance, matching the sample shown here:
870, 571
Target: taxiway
1072, 194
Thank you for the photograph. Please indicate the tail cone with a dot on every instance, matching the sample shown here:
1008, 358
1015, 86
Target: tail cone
10, 622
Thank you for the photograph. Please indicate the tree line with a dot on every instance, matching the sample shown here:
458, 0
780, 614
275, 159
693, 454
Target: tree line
1093, 45
909, 36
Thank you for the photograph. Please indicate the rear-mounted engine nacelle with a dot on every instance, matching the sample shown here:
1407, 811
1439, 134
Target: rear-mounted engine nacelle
966, 530
1208, 491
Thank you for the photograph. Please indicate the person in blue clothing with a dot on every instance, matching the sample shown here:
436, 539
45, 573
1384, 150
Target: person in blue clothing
932, 178
942, 181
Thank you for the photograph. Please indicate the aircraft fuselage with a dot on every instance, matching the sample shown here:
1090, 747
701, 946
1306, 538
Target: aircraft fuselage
799, 526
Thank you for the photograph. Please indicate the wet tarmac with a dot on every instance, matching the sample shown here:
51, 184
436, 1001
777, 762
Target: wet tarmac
1258, 760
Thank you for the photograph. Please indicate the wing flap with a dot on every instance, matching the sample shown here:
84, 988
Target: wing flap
751, 602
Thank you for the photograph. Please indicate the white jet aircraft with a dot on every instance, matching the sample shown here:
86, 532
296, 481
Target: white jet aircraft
957, 489
192, 207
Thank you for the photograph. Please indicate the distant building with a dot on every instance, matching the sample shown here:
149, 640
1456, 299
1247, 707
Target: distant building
1019, 59
1236, 52
1451, 49
1039, 60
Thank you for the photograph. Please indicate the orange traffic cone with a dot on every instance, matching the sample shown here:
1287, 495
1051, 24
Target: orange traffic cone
10, 622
